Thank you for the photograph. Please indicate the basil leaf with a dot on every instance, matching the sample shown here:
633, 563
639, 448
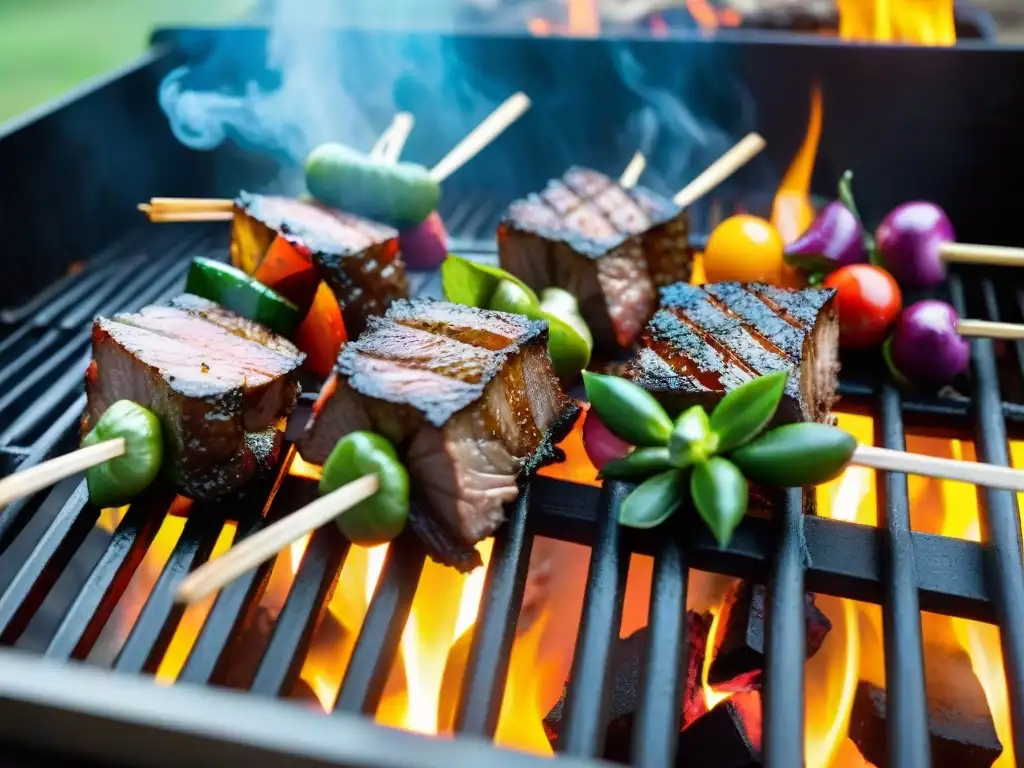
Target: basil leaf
720, 493
631, 413
691, 440
745, 411
653, 501
472, 284
796, 455
638, 465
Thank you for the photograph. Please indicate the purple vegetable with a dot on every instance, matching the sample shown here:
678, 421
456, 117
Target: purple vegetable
599, 442
425, 245
925, 347
908, 241
834, 240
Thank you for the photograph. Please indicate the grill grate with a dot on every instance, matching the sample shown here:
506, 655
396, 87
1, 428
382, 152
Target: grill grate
903, 570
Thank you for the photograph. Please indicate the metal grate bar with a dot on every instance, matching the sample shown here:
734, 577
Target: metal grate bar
785, 633
50, 557
585, 702
306, 604
46, 343
661, 692
1000, 521
382, 628
156, 624
84, 620
907, 721
486, 671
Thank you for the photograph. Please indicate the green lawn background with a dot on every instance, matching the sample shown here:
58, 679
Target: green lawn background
49, 46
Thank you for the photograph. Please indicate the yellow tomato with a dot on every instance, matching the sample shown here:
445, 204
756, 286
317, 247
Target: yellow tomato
744, 248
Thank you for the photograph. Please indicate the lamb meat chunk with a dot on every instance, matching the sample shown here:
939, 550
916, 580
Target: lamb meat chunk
356, 257
705, 341
609, 246
470, 398
219, 383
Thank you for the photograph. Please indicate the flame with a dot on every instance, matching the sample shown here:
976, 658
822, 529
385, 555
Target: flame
582, 19
792, 210
709, 18
920, 22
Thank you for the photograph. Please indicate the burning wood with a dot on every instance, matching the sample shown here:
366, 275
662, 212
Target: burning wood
959, 720
729, 736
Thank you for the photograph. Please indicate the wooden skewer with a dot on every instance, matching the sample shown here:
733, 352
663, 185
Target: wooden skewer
633, 171
49, 472
264, 545
986, 329
720, 170
193, 203
492, 126
973, 472
993, 255
400, 130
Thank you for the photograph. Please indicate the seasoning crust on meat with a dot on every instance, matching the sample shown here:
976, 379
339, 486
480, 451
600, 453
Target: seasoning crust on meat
470, 398
220, 385
609, 246
706, 340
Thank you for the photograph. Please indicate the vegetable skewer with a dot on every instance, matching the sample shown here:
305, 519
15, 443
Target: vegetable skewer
991, 255
50, 472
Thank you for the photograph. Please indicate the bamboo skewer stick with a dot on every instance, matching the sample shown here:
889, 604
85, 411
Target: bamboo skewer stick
631, 175
400, 130
266, 544
992, 255
986, 329
50, 472
973, 472
492, 126
165, 215
720, 170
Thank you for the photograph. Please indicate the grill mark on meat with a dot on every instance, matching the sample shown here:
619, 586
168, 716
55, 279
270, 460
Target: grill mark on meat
798, 307
481, 328
768, 328
687, 351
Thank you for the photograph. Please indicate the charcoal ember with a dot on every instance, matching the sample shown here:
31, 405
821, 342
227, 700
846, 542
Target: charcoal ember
626, 663
960, 725
742, 632
729, 736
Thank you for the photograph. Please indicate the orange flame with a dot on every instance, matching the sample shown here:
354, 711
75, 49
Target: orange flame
792, 211
920, 22
582, 19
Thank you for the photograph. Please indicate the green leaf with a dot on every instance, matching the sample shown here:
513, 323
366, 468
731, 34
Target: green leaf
745, 411
472, 284
691, 440
631, 413
846, 198
638, 465
720, 493
796, 455
653, 501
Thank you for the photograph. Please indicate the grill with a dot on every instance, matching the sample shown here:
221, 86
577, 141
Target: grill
87, 715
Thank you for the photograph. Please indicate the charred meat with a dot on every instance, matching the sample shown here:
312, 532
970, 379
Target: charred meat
356, 257
705, 341
609, 246
220, 384
470, 397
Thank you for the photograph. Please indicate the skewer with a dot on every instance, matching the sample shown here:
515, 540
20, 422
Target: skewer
400, 130
492, 126
720, 170
50, 472
992, 255
973, 472
986, 329
266, 544
633, 171
174, 214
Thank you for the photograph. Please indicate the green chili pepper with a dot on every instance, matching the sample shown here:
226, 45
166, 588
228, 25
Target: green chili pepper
638, 464
692, 440
381, 517
720, 493
115, 482
653, 501
745, 411
629, 411
473, 284
237, 291
511, 297
796, 455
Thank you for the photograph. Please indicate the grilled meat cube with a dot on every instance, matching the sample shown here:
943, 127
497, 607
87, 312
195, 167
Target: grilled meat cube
611, 247
705, 341
470, 398
219, 383
356, 257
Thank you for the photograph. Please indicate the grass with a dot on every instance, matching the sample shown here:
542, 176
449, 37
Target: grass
49, 46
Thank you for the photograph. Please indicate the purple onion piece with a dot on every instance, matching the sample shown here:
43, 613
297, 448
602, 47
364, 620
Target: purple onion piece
908, 241
925, 346
600, 444
832, 241
425, 245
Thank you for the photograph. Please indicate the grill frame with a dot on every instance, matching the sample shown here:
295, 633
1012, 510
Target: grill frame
892, 565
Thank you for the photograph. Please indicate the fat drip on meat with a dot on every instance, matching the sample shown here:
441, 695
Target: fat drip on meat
470, 398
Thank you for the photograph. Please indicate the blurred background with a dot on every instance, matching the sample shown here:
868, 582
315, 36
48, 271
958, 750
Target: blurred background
49, 46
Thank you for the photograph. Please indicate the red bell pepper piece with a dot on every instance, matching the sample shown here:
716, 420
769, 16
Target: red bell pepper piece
322, 332
288, 268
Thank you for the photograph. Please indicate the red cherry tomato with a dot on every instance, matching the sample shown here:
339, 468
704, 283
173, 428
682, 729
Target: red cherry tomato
869, 302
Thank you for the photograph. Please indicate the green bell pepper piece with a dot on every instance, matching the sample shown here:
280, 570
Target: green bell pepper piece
117, 481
